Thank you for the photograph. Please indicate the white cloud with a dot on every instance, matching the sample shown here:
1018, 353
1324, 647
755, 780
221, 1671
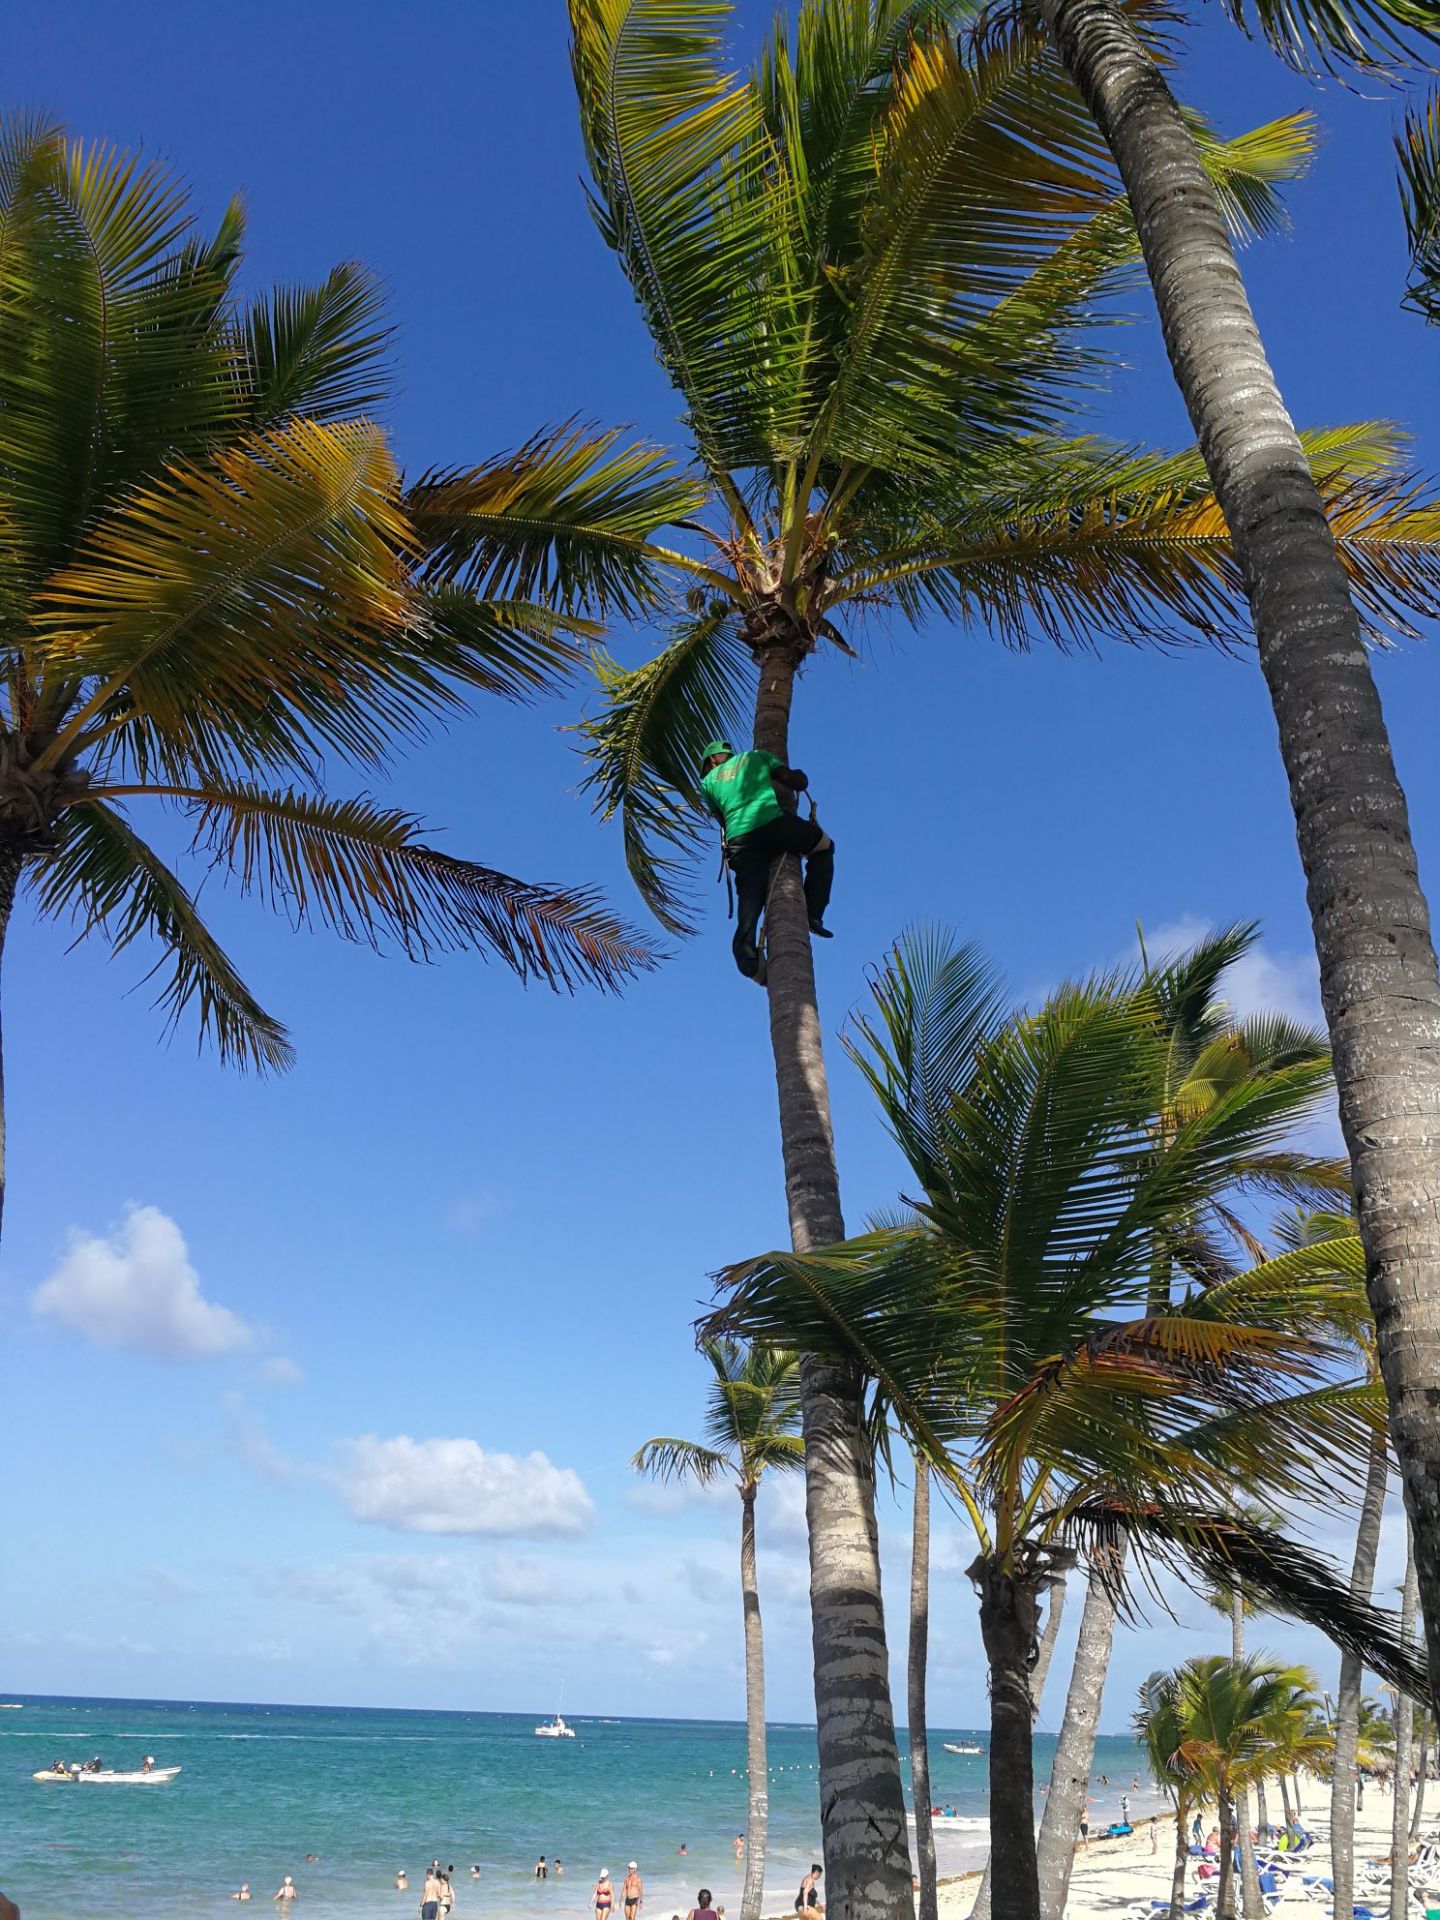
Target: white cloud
456, 1487
279, 1370
137, 1290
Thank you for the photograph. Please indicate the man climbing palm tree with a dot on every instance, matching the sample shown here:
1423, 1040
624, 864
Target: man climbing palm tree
740, 790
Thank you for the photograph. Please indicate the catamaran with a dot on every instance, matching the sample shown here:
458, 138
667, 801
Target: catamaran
555, 1729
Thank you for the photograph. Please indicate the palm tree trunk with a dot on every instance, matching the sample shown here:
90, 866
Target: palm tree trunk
1378, 975
1404, 1728
1182, 1861
1262, 1810
862, 1801
1075, 1749
1295, 1782
1225, 1885
1285, 1802
1009, 1627
754, 1889
1251, 1903
1347, 1694
1054, 1612
919, 1654
1417, 1812
10, 866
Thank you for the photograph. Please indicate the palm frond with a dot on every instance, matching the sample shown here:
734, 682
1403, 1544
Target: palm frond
1371, 37
1417, 147
515, 649
318, 351
237, 612
364, 872
105, 878
1073, 542
643, 746
666, 1459
680, 172
1227, 1547
568, 519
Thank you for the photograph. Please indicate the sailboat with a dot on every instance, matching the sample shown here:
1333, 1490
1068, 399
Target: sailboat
555, 1729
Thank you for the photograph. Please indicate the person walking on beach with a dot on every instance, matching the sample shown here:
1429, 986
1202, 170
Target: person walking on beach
1124, 1809
633, 1892
702, 1909
430, 1897
286, 1893
603, 1898
808, 1897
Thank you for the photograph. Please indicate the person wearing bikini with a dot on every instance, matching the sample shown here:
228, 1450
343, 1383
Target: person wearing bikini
603, 1898
633, 1892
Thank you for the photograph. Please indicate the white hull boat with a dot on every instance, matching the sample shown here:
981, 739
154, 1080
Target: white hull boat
956, 1746
110, 1777
555, 1729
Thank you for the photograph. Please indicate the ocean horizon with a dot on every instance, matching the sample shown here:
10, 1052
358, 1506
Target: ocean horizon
368, 1790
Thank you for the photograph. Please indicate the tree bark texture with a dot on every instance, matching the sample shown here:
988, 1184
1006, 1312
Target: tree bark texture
919, 1657
1285, 1801
1378, 975
1182, 1860
862, 1801
1225, 1884
1404, 1729
1252, 1905
1417, 1812
1010, 1629
1347, 1694
1050, 1632
1075, 1749
752, 1895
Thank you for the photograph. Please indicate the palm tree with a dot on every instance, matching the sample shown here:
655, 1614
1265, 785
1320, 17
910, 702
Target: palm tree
1370, 917
915, 1677
1207, 1057
1346, 1757
209, 582
752, 1420
866, 267
1234, 1716
1011, 1335
1159, 1726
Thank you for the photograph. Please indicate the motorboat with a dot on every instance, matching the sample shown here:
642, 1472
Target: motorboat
109, 1776
962, 1746
555, 1729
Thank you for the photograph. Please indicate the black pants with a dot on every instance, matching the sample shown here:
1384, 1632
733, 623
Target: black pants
753, 857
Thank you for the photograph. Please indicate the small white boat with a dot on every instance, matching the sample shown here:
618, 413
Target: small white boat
111, 1777
555, 1729
962, 1746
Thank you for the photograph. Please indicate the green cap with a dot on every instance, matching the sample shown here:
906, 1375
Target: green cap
715, 746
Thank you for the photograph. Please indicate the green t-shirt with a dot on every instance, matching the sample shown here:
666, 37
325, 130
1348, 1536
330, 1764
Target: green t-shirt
742, 793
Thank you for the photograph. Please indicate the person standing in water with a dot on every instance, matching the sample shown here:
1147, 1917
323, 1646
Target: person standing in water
286, 1893
540, 1868
430, 1896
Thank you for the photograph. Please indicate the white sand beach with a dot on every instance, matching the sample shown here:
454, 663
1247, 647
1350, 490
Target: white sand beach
1113, 1876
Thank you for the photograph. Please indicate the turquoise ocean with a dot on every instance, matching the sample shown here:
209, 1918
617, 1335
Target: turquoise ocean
370, 1791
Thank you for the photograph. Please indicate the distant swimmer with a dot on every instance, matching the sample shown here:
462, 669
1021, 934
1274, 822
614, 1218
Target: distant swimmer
603, 1898
312, 1859
540, 1868
633, 1892
244, 1893
475, 1873
285, 1893
402, 1880
559, 1868
682, 1848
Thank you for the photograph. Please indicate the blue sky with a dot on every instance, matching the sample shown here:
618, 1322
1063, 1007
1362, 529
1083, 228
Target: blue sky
279, 1356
